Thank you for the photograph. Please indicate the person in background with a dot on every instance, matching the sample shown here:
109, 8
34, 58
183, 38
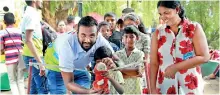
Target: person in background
215, 56
116, 36
143, 42
61, 27
11, 45
70, 23
76, 20
111, 18
119, 25
104, 29
33, 46
131, 55
2, 24
141, 25
177, 51
126, 11
213, 75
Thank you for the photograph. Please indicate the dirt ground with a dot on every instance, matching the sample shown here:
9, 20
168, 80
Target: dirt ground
211, 87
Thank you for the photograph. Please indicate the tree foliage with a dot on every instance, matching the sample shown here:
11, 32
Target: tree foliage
53, 11
207, 14
204, 12
145, 9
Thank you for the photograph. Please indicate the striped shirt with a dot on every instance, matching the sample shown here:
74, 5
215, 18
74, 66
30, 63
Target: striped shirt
10, 47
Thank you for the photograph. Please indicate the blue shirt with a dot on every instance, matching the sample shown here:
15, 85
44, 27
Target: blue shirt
114, 46
73, 56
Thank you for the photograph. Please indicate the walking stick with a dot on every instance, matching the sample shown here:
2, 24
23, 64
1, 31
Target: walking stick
29, 77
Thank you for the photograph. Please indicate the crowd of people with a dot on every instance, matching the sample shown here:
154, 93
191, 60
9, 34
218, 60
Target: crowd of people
69, 63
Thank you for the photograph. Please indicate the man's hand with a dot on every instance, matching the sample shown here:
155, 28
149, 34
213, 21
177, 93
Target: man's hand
42, 70
91, 91
109, 63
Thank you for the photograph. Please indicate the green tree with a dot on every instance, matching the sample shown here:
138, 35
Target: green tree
102, 7
204, 12
54, 11
145, 9
207, 14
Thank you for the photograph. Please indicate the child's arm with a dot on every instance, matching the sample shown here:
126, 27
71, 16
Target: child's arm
134, 71
116, 85
129, 71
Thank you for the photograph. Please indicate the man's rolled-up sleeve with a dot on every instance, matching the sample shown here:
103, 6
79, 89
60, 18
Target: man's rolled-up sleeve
30, 23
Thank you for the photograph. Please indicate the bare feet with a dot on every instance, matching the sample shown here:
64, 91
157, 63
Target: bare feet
211, 76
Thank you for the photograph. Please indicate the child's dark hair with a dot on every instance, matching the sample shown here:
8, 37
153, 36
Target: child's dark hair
102, 24
70, 19
5, 8
102, 52
9, 18
120, 21
87, 21
110, 14
28, 2
131, 29
127, 10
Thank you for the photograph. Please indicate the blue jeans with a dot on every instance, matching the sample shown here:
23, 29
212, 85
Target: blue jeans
55, 82
38, 83
82, 78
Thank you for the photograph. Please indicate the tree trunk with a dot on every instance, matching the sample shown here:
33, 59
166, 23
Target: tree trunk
61, 11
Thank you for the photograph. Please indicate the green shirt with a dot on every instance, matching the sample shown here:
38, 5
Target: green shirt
31, 21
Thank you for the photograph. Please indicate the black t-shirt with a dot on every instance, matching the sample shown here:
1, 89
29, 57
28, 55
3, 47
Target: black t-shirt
116, 38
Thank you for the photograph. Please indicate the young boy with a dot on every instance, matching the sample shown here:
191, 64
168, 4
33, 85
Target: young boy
104, 29
11, 45
129, 55
115, 77
116, 36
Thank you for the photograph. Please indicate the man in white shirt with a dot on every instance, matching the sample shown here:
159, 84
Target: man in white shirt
33, 46
77, 52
